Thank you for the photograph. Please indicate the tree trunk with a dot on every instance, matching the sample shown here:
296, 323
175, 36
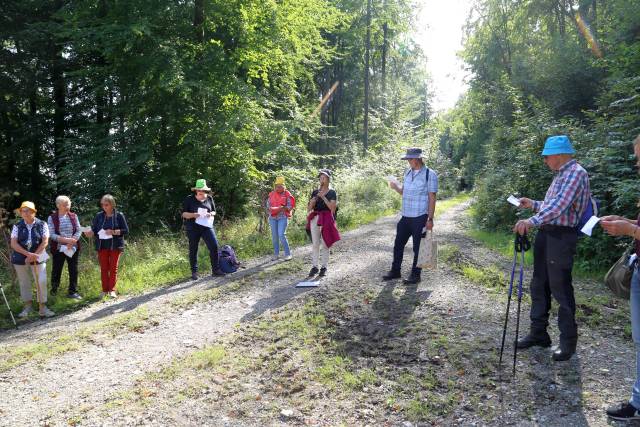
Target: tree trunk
36, 182
385, 32
59, 107
366, 79
198, 20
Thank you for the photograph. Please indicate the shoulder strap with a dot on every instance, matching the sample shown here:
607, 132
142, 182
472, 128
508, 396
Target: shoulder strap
426, 178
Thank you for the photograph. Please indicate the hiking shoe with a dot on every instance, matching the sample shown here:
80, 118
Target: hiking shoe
194, 276
391, 275
561, 355
412, 280
288, 258
75, 296
103, 294
218, 272
314, 270
113, 294
534, 341
45, 312
25, 312
323, 272
275, 257
623, 411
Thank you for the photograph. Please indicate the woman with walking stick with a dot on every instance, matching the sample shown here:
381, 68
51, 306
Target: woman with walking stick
29, 239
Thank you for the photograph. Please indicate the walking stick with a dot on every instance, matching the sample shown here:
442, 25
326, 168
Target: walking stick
521, 244
36, 277
8, 306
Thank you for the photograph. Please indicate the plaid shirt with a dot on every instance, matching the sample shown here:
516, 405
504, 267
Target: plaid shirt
566, 198
415, 192
66, 228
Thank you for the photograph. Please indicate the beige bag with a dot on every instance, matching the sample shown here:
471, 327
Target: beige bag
428, 253
618, 278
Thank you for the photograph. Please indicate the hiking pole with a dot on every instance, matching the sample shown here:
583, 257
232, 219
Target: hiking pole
36, 276
506, 316
522, 245
8, 306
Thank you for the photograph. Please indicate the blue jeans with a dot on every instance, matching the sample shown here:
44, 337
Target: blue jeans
635, 332
279, 234
195, 233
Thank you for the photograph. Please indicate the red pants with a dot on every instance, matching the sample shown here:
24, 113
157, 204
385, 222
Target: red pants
108, 259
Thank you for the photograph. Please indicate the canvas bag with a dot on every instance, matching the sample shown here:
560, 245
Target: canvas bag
618, 278
428, 253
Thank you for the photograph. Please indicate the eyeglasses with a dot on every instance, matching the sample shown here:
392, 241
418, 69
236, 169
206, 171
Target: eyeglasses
25, 210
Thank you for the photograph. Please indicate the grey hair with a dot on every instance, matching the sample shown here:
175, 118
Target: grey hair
109, 198
62, 199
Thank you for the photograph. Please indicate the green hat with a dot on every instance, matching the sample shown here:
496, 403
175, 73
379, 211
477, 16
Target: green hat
201, 185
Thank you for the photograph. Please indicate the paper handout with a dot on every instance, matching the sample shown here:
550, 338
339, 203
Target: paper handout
393, 180
68, 252
43, 257
85, 229
102, 235
514, 201
588, 227
203, 219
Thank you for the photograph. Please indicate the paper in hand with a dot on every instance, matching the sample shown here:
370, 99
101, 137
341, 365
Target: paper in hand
68, 252
393, 180
85, 229
588, 227
203, 219
102, 235
514, 201
43, 257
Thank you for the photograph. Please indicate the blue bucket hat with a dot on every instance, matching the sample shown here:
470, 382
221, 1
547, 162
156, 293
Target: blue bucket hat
558, 144
413, 153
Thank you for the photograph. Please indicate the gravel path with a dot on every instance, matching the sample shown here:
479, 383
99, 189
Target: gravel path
52, 392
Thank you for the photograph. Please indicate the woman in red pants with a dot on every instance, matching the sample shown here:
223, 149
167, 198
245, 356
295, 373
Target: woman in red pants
109, 226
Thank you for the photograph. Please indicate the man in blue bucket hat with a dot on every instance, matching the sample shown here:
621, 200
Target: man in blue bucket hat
418, 191
555, 246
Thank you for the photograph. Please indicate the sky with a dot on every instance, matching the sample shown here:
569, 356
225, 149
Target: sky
439, 33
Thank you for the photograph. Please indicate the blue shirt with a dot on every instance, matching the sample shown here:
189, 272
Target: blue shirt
415, 191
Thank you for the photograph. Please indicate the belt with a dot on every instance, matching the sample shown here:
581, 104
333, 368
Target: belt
552, 227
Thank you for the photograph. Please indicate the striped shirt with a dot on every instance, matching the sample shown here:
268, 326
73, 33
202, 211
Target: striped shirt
415, 192
566, 198
66, 228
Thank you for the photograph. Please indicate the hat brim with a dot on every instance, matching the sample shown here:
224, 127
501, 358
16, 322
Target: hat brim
556, 151
411, 156
17, 210
207, 189
325, 174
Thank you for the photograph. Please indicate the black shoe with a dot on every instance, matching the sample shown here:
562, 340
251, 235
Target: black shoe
194, 276
313, 271
533, 341
391, 275
323, 272
623, 412
76, 296
218, 272
54, 291
412, 280
561, 355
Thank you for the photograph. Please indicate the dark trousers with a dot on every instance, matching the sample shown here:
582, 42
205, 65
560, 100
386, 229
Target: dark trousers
553, 254
58, 259
196, 233
408, 227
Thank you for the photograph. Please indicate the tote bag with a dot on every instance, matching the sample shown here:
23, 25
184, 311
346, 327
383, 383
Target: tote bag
428, 253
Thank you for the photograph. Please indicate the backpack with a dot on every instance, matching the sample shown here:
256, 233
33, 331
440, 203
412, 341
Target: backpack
227, 258
592, 209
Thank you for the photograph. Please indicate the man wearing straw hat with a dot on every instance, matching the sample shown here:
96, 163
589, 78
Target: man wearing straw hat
29, 238
418, 207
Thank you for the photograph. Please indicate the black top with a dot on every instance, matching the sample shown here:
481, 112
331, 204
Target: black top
117, 221
191, 204
320, 204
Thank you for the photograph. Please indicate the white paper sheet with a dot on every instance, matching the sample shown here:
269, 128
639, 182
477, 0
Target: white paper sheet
203, 219
102, 235
68, 252
43, 257
85, 229
588, 227
514, 201
308, 284
632, 259
393, 180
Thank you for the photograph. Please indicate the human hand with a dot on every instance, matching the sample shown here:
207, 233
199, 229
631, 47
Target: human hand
522, 227
32, 258
108, 232
70, 246
429, 225
88, 233
525, 203
611, 218
618, 227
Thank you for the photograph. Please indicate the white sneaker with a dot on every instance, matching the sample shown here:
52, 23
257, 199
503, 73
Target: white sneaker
275, 257
25, 312
288, 258
113, 294
45, 312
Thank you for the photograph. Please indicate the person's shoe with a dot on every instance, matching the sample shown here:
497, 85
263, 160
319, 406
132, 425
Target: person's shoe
314, 270
623, 411
45, 312
25, 312
412, 280
113, 294
218, 272
194, 276
323, 272
391, 275
275, 257
288, 258
561, 355
75, 296
103, 294
533, 341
